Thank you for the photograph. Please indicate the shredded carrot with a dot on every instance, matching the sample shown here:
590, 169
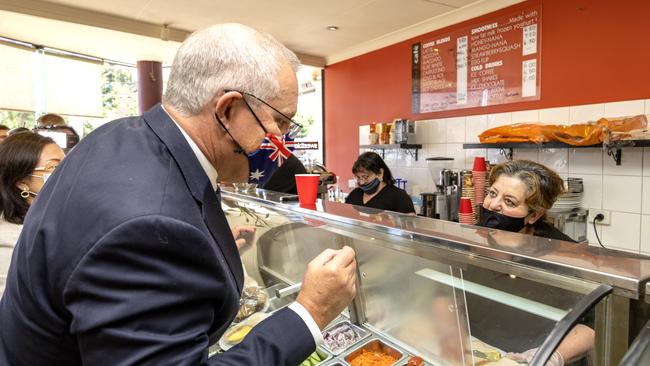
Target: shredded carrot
372, 358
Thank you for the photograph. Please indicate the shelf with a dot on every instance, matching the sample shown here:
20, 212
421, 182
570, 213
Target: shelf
614, 149
411, 148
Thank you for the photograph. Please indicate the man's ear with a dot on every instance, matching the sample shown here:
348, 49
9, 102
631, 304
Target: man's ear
223, 106
533, 217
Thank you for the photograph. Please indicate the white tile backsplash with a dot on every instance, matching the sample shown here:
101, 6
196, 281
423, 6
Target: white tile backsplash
526, 154
586, 161
592, 196
556, 159
586, 113
499, 119
645, 234
623, 233
646, 161
645, 201
456, 151
474, 126
623, 109
437, 133
529, 116
556, 116
455, 128
623, 190
631, 163
622, 193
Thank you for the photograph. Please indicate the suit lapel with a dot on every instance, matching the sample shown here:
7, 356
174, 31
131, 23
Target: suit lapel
200, 187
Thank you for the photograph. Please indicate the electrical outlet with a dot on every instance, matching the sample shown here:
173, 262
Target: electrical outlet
352, 183
593, 213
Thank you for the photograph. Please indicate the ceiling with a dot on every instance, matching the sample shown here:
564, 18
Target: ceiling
131, 30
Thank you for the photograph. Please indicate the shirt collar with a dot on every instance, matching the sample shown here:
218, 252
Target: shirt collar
209, 169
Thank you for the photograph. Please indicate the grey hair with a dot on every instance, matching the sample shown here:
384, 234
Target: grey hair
225, 56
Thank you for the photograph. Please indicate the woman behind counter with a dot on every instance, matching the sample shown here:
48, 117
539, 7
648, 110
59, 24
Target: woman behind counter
376, 187
519, 194
26, 161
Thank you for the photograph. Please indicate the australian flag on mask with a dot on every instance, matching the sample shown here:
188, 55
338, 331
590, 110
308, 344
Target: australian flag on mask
270, 156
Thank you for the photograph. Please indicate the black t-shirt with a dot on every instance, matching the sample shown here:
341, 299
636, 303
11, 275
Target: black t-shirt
546, 230
390, 198
283, 180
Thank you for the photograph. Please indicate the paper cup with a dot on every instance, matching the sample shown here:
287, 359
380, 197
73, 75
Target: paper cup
307, 185
479, 164
465, 206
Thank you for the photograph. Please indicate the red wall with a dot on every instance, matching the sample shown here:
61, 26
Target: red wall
593, 51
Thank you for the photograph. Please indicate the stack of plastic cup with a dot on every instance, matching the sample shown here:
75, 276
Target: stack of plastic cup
468, 189
465, 214
479, 174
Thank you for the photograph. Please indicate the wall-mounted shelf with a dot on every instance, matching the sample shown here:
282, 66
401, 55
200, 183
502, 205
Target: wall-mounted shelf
614, 149
411, 148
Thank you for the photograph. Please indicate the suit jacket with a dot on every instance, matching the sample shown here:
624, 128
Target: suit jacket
126, 258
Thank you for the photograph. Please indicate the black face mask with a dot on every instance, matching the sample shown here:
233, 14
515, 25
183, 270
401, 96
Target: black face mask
370, 187
499, 221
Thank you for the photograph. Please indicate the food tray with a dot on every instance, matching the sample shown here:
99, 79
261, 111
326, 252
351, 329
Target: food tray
324, 356
406, 359
376, 344
361, 334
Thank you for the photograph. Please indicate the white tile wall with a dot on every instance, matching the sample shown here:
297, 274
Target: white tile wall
474, 125
530, 116
586, 113
556, 159
455, 129
554, 115
592, 197
623, 190
631, 163
645, 234
622, 193
623, 233
626, 108
586, 161
645, 202
499, 119
437, 131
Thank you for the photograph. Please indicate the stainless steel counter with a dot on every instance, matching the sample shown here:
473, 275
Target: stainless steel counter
424, 280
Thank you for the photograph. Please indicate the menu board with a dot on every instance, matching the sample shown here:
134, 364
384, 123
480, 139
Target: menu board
493, 62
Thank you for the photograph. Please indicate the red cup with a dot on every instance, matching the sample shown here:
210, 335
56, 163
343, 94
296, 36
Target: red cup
465, 206
307, 185
479, 164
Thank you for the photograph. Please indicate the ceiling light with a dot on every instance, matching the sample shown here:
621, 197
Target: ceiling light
332, 28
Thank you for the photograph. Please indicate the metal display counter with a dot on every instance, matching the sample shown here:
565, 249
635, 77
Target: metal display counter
452, 294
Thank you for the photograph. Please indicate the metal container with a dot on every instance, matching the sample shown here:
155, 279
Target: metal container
361, 334
376, 345
428, 205
323, 355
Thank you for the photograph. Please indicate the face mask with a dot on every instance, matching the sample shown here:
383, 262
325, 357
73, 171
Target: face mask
499, 221
370, 187
45, 176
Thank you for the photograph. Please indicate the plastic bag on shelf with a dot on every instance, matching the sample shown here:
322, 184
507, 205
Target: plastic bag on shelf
583, 134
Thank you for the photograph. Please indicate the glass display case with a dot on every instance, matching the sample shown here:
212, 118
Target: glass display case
442, 292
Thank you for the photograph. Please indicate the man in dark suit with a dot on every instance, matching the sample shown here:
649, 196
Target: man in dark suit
126, 257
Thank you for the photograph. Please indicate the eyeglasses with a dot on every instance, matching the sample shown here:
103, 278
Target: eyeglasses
292, 127
48, 167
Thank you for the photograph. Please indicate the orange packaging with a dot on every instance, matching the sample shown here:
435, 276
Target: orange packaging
583, 134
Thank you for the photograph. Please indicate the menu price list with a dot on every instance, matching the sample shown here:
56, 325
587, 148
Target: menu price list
494, 62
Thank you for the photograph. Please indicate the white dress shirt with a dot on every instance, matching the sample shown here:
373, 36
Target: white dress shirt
212, 174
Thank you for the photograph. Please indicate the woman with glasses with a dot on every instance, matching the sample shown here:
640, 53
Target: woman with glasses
26, 161
376, 186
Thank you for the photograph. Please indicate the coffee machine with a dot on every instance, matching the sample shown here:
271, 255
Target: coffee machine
443, 203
